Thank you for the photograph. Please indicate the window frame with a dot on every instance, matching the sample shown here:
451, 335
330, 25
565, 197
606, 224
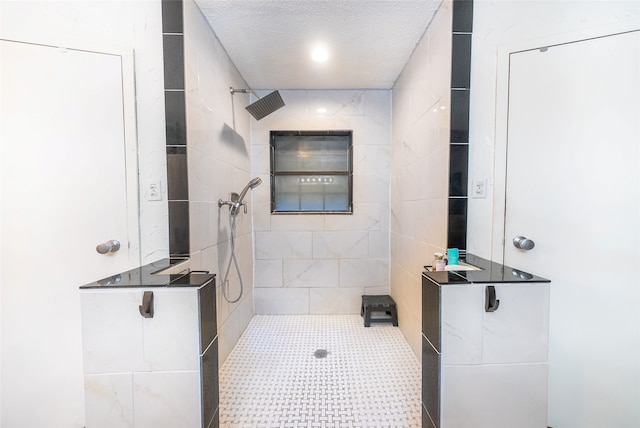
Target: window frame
273, 138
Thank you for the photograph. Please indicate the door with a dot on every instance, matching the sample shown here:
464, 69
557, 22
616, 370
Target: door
573, 188
68, 184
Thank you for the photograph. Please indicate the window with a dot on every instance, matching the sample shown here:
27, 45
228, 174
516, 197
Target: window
312, 172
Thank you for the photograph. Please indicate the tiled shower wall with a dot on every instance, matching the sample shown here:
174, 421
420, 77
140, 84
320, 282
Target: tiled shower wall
322, 264
420, 169
208, 157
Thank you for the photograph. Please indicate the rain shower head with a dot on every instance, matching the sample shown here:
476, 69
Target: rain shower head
265, 105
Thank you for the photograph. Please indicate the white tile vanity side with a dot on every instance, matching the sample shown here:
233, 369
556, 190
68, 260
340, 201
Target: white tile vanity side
112, 332
461, 324
170, 339
518, 332
109, 400
497, 396
167, 399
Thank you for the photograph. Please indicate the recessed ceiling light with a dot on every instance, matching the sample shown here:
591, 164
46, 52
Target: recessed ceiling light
321, 110
320, 54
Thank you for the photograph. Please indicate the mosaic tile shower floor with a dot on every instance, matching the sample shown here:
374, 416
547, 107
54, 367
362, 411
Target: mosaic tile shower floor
277, 375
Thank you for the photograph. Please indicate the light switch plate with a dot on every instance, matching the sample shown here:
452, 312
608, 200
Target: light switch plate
479, 189
154, 192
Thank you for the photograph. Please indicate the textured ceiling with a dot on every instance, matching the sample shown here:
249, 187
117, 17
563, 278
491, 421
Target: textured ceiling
369, 41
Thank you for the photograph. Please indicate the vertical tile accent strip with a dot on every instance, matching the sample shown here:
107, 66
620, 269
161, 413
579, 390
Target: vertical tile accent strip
457, 233
462, 27
462, 16
458, 169
173, 50
175, 118
175, 127
179, 228
177, 185
172, 16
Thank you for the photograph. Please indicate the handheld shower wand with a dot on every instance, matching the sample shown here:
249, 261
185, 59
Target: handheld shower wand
235, 202
253, 183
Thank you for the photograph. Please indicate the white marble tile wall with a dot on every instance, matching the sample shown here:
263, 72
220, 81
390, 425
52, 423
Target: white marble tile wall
517, 400
141, 372
219, 162
167, 399
461, 328
420, 169
323, 264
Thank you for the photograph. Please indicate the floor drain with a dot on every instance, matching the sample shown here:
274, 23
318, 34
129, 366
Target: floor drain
320, 353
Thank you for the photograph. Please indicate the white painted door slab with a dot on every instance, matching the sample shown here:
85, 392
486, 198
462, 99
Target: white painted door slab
573, 187
67, 186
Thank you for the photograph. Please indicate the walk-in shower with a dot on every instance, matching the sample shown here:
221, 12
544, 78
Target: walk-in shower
264, 106
235, 202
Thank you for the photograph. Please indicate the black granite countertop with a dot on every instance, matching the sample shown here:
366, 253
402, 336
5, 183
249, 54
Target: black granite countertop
147, 276
489, 273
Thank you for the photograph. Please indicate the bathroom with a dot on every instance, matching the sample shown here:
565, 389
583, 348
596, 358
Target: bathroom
401, 226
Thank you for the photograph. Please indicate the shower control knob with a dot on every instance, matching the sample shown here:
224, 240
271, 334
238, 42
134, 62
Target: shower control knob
523, 243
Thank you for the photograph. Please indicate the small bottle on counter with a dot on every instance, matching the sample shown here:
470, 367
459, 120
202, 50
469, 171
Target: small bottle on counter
438, 262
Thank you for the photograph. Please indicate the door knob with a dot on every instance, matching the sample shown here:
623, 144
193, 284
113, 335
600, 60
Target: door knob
108, 247
523, 243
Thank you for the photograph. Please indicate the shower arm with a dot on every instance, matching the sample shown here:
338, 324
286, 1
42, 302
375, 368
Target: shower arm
243, 91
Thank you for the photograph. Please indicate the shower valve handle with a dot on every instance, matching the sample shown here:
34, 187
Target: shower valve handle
235, 207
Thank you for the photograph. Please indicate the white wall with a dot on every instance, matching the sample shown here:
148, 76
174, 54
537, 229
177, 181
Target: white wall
498, 25
133, 25
323, 264
420, 170
576, 383
219, 162
123, 24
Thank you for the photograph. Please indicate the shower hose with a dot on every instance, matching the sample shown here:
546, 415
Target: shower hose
232, 258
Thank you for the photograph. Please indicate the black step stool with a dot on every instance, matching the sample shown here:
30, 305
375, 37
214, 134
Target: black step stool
379, 309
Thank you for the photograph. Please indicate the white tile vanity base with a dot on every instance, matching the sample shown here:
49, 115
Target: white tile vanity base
494, 395
161, 399
145, 372
492, 367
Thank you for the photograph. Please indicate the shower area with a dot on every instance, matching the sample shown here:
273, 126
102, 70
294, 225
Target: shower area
303, 264
316, 265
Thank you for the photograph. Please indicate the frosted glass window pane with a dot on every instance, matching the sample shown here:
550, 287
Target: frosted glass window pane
306, 154
311, 193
